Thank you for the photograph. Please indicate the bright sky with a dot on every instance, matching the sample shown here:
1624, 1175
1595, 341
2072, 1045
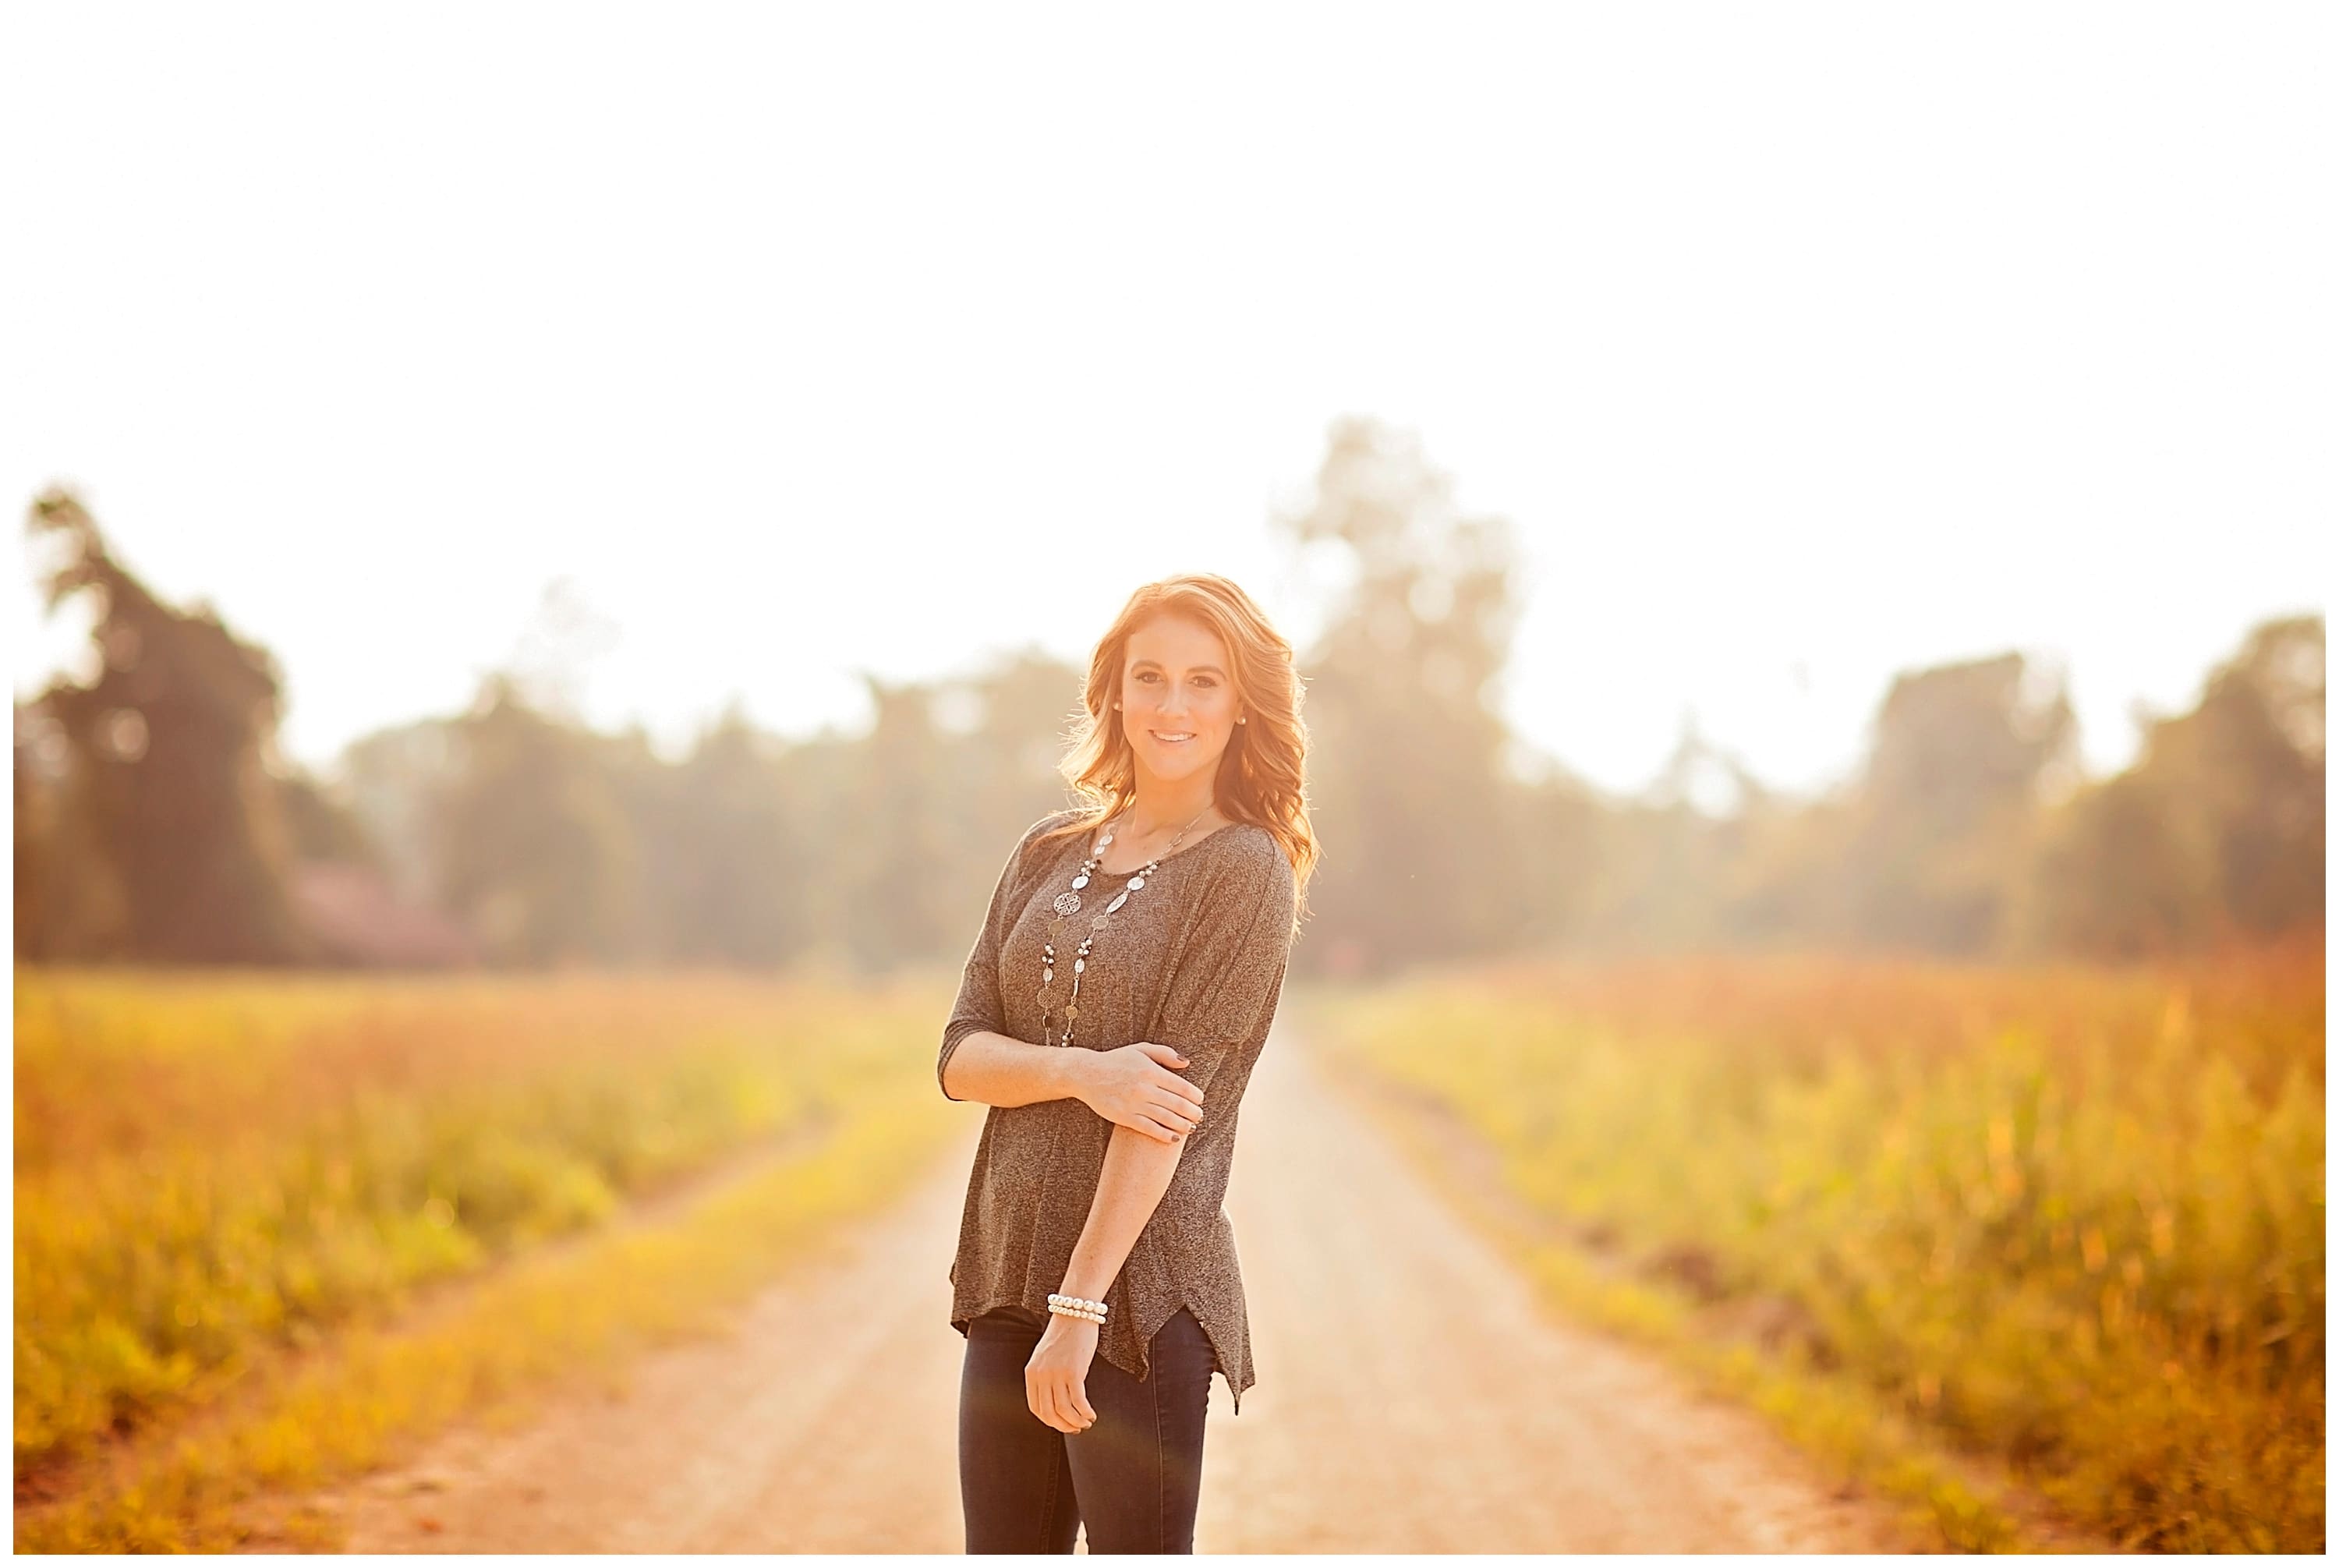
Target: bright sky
1802, 345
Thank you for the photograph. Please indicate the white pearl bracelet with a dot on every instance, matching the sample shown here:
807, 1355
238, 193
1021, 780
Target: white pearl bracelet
1076, 1307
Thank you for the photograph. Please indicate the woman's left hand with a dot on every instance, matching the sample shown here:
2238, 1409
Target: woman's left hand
1055, 1380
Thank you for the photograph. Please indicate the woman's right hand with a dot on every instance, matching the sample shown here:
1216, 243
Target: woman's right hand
1134, 1087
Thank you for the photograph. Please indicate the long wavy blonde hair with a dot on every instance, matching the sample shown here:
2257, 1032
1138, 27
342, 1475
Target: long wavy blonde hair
1262, 775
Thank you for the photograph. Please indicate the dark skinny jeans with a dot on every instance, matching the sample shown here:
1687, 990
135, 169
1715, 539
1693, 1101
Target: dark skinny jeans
1133, 1479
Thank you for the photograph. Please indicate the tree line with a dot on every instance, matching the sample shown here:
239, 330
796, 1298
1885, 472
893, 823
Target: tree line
157, 822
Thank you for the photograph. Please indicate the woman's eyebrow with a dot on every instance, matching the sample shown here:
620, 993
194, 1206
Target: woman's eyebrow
1197, 669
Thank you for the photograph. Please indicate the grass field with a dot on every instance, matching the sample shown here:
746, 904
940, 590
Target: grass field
2069, 1219
231, 1190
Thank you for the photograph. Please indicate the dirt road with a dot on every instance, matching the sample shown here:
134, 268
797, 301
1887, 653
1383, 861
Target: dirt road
1411, 1397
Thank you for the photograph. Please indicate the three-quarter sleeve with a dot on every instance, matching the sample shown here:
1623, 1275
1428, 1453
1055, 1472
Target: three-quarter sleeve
980, 1006
1229, 975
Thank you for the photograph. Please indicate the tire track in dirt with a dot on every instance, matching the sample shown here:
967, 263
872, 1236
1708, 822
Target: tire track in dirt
1412, 1397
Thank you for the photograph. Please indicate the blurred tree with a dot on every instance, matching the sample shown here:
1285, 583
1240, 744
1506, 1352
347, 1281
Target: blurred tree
396, 780
2251, 756
1939, 831
1790, 882
322, 827
728, 870
1421, 829
1683, 852
893, 833
2215, 834
153, 821
539, 859
1018, 717
1563, 825
69, 898
2119, 877
167, 793
1002, 732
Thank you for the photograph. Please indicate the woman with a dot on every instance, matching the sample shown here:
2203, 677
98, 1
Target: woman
1096, 1279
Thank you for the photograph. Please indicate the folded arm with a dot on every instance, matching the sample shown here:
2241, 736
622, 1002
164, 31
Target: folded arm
999, 1069
1228, 979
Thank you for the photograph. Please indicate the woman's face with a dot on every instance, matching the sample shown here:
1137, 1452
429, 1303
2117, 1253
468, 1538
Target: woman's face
1174, 682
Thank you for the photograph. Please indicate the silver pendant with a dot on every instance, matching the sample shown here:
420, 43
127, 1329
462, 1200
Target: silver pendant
1066, 904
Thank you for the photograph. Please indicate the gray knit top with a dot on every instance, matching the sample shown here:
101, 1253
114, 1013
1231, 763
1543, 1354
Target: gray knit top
1195, 959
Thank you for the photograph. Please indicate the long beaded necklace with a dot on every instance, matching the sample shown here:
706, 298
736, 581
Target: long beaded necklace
1068, 904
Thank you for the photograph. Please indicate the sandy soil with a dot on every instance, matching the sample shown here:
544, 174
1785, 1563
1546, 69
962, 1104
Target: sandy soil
1411, 1397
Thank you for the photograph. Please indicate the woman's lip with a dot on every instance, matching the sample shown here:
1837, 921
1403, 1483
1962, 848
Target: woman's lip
1167, 742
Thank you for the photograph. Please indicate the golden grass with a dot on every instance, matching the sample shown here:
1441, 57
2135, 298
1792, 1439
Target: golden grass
2067, 1219
539, 1324
215, 1174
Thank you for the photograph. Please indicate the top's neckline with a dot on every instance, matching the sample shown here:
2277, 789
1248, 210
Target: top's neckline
1085, 845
